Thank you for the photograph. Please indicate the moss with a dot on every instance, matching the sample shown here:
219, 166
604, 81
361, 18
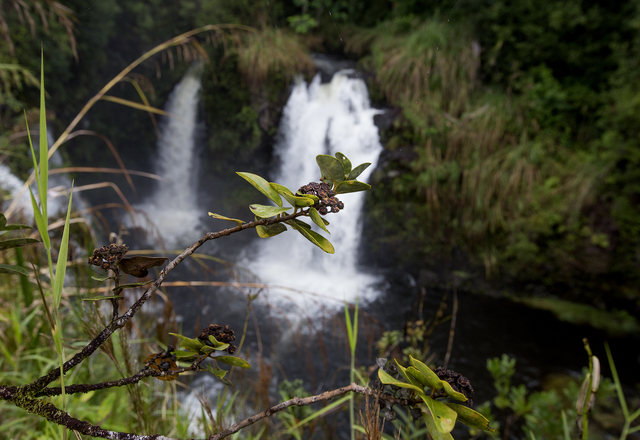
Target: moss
616, 322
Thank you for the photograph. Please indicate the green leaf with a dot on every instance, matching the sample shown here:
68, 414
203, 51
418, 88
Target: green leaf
313, 237
281, 189
235, 361
346, 163
97, 278
298, 201
431, 426
15, 242
206, 349
14, 270
265, 211
41, 222
270, 230
443, 416
129, 286
220, 375
317, 219
470, 417
189, 343
101, 298
408, 377
387, 379
453, 394
222, 217
16, 227
3, 221
358, 170
431, 379
263, 186
61, 265
185, 356
43, 185
349, 186
418, 377
301, 223
331, 168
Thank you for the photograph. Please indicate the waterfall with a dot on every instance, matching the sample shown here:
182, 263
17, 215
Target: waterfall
172, 207
322, 119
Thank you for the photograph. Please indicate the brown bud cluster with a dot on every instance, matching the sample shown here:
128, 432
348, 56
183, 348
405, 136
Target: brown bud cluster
222, 333
457, 381
108, 257
328, 201
163, 361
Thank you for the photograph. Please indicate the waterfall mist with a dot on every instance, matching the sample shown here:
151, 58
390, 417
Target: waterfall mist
172, 207
321, 119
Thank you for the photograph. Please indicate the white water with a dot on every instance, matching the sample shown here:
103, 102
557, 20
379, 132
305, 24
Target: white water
173, 205
58, 191
321, 119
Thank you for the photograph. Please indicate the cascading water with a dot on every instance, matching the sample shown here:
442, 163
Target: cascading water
173, 205
322, 119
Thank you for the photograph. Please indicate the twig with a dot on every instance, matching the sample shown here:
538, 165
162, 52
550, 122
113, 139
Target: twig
39, 384
452, 330
296, 401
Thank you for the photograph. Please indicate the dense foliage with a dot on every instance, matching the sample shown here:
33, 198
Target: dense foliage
514, 145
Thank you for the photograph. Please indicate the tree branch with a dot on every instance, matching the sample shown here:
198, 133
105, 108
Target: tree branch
39, 384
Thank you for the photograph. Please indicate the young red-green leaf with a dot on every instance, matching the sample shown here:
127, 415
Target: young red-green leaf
358, 170
387, 379
431, 379
266, 211
270, 230
263, 186
317, 219
443, 416
451, 393
313, 237
346, 163
431, 426
13, 270
349, 186
235, 361
222, 217
470, 417
331, 168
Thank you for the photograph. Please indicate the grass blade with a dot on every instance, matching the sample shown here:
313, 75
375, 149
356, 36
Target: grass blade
61, 266
43, 186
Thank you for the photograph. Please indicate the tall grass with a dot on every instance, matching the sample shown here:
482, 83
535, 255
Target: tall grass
487, 176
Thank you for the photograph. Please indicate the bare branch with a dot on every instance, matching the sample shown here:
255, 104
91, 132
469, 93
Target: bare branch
38, 385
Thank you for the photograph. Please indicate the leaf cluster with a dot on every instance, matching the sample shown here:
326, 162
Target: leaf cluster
424, 385
336, 172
